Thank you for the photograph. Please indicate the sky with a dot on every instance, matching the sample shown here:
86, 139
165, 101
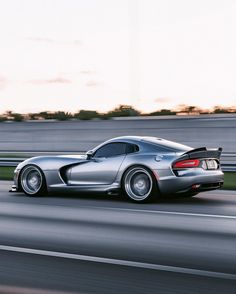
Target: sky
96, 54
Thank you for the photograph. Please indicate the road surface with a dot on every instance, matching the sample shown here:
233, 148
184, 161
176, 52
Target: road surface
103, 244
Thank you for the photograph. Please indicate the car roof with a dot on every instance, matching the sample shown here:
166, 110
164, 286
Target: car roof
143, 140
134, 138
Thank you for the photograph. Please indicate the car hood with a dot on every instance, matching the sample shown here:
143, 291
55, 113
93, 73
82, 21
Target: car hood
53, 162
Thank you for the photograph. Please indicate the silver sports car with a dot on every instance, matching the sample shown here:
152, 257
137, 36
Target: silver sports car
143, 168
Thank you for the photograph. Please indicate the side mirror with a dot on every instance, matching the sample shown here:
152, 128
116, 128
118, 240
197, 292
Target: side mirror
90, 154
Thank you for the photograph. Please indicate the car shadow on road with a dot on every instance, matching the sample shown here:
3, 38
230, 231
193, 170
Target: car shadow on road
198, 199
202, 199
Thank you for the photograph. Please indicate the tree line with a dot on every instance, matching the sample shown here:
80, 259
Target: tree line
119, 111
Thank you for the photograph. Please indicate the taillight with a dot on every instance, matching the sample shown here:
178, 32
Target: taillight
187, 163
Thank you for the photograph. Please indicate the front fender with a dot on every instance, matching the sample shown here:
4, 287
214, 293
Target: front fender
47, 163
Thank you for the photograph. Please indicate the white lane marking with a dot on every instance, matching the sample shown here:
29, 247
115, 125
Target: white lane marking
57, 207
164, 212
121, 262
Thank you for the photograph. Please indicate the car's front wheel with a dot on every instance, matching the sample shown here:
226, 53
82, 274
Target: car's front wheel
32, 181
139, 184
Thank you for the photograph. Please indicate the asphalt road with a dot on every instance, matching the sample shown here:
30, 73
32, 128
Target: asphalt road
102, 244
73, 136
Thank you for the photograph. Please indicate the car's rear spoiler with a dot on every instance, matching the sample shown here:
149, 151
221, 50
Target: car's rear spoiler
202, 152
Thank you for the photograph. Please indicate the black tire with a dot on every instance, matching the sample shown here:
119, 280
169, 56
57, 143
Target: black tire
139, 185
32, 181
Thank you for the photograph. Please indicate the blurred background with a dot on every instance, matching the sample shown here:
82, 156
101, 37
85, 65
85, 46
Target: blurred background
74, 73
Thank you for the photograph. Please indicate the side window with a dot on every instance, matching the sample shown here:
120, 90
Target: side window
111, 149
131, 148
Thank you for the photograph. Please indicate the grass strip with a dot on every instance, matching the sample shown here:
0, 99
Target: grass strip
11, 155
230, 181
6, 173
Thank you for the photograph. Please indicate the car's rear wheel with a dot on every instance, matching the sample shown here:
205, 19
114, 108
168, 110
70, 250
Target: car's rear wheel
32, 181
139, 184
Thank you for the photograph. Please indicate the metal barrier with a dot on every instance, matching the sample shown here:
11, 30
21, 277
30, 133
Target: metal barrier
10, 162
228, 162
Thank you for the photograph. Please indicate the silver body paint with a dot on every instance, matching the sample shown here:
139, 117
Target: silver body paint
82, 173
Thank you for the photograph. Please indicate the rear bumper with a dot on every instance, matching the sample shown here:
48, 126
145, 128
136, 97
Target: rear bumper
201, 181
